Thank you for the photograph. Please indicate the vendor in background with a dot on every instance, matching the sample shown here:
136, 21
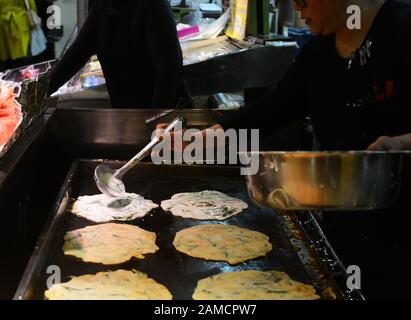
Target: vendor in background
137, 45
355, 85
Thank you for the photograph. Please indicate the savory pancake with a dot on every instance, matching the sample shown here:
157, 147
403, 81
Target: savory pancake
102, 208
117, 285
219, 242
109, 243
253, 285
205, 205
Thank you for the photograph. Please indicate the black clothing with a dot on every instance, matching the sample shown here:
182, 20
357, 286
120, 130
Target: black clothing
137, 45
349, 107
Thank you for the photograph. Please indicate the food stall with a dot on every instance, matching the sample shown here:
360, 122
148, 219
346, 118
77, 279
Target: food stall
49, 159
318, 214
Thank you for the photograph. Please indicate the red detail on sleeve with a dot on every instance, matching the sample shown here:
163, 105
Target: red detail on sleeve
380, 97
389, 89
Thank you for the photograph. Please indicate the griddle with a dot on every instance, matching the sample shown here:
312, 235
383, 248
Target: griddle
177, 271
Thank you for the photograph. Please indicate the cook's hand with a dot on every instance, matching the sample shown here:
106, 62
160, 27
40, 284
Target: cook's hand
387, 144
172, 137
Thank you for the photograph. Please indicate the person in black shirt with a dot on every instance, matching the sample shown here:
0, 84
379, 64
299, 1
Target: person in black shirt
137, 45
354, 85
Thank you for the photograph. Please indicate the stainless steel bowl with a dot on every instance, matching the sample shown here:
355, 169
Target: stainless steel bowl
326, 180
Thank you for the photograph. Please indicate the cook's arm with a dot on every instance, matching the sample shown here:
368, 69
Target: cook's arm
392, 119
280, 107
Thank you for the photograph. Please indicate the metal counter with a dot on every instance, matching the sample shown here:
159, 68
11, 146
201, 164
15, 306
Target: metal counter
35, 169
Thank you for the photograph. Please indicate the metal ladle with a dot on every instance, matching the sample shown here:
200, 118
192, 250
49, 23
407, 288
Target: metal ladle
110, 182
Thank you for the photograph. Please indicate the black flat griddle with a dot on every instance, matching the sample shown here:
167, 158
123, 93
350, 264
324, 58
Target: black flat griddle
177, 271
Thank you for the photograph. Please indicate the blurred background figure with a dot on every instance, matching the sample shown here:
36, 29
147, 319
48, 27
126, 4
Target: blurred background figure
137, 45
24, 38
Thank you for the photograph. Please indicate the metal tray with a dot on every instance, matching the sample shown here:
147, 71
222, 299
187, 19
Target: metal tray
178, 272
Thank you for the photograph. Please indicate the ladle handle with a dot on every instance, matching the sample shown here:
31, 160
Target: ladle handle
147, 149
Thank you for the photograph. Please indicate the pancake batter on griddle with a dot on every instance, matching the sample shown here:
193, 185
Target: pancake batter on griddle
205, 205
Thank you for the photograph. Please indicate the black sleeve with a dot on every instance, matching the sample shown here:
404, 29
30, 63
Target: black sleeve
77, 55
392, 117
165, 51
280, 107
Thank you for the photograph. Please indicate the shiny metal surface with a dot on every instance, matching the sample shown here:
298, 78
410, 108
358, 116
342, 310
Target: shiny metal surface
125, 127
327, 181
107, 181
264, 67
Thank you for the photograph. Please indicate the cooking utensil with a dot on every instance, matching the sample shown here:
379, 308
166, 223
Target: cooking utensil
110, 182
326, 180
